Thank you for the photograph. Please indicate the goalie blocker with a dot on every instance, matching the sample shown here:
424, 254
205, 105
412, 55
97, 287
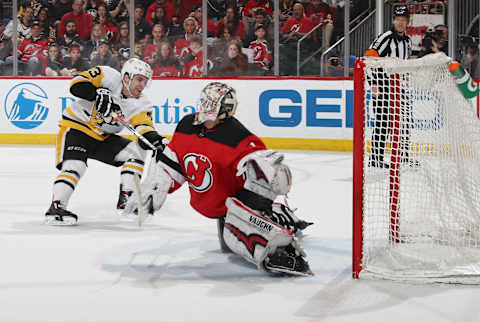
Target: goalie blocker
233, 178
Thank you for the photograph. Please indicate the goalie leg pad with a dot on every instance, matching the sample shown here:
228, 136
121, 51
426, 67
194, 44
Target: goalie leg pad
260, 241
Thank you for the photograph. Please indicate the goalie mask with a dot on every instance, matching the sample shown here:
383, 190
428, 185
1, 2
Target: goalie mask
217, 100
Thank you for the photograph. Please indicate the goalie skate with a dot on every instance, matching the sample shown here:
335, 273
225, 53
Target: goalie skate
56, 215
287, 260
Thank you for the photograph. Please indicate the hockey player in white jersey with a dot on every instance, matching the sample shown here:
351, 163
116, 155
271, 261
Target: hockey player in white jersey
88, 131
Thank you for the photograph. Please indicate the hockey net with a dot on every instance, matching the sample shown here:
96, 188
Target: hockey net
417, 211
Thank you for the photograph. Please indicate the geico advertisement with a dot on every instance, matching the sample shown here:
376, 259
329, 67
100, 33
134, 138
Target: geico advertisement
283, 108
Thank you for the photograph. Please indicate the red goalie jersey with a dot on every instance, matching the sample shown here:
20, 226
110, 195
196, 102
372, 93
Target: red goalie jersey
209, 159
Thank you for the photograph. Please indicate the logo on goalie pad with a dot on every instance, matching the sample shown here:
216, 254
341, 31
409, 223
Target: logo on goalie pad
26, 105
197, 170
249, 241
260, 224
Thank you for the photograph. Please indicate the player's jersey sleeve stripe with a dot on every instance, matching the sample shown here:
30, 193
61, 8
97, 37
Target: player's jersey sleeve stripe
141, 119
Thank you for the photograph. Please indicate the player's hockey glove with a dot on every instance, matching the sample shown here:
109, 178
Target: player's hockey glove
158, 141
104, 102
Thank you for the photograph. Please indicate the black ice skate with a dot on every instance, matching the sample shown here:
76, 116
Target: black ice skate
56, 215
287, 260
123, 197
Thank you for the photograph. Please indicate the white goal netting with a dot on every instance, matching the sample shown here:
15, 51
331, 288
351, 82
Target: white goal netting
421, 173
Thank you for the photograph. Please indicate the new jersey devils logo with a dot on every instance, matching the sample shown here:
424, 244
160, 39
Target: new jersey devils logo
197, 169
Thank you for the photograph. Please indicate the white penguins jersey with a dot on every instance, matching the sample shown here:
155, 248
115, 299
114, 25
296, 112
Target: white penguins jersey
81, 114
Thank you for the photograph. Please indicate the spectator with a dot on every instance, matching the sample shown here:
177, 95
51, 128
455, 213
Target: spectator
161, 18
121, 48
61, 8
152, 48
53, 63
182, 45
23, 26
97, 34
233, 18
286, 9
74, 63
70, 37
252, 6
167, 4
84, 20
211, 26
189, 6
217, 9
105, 20
166, 64
91, 7
335, 66
104, 57
119, 10
235, 63
442, 31
296, 26
143, 29
319, 12
221, 44
5, 50
471, 60
194, 61
260, 19
262, 56
30, 51
47, 29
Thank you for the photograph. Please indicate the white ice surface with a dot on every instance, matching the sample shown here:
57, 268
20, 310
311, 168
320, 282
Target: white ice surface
172, 270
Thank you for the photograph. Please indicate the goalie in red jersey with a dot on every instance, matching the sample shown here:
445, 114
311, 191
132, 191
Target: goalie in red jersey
234, 179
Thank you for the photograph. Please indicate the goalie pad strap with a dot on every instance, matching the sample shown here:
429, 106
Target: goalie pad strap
254, 200
251, 235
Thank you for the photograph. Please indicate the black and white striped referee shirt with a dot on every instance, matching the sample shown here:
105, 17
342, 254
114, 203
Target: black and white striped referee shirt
389, 44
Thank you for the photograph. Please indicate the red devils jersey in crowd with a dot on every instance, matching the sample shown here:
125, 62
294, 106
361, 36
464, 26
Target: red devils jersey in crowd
32, 48
303, 25
194, 67
261, 53
169, 10
211, 27
165, 69
151, 52
110, 30
209, 158
318, 15
182, 48
253, 5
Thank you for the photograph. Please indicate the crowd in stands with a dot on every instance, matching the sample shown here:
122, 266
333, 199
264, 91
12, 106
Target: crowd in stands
62, 37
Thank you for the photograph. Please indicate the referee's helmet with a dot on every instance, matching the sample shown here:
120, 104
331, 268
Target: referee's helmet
401, 11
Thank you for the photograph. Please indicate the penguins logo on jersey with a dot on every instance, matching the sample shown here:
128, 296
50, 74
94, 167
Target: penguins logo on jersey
197, 170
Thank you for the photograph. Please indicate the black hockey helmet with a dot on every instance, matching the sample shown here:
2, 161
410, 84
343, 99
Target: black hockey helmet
401, 11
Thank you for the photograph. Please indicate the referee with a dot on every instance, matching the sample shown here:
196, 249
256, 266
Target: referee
393, 43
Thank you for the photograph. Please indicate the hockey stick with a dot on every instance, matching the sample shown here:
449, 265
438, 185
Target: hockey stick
141, 215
